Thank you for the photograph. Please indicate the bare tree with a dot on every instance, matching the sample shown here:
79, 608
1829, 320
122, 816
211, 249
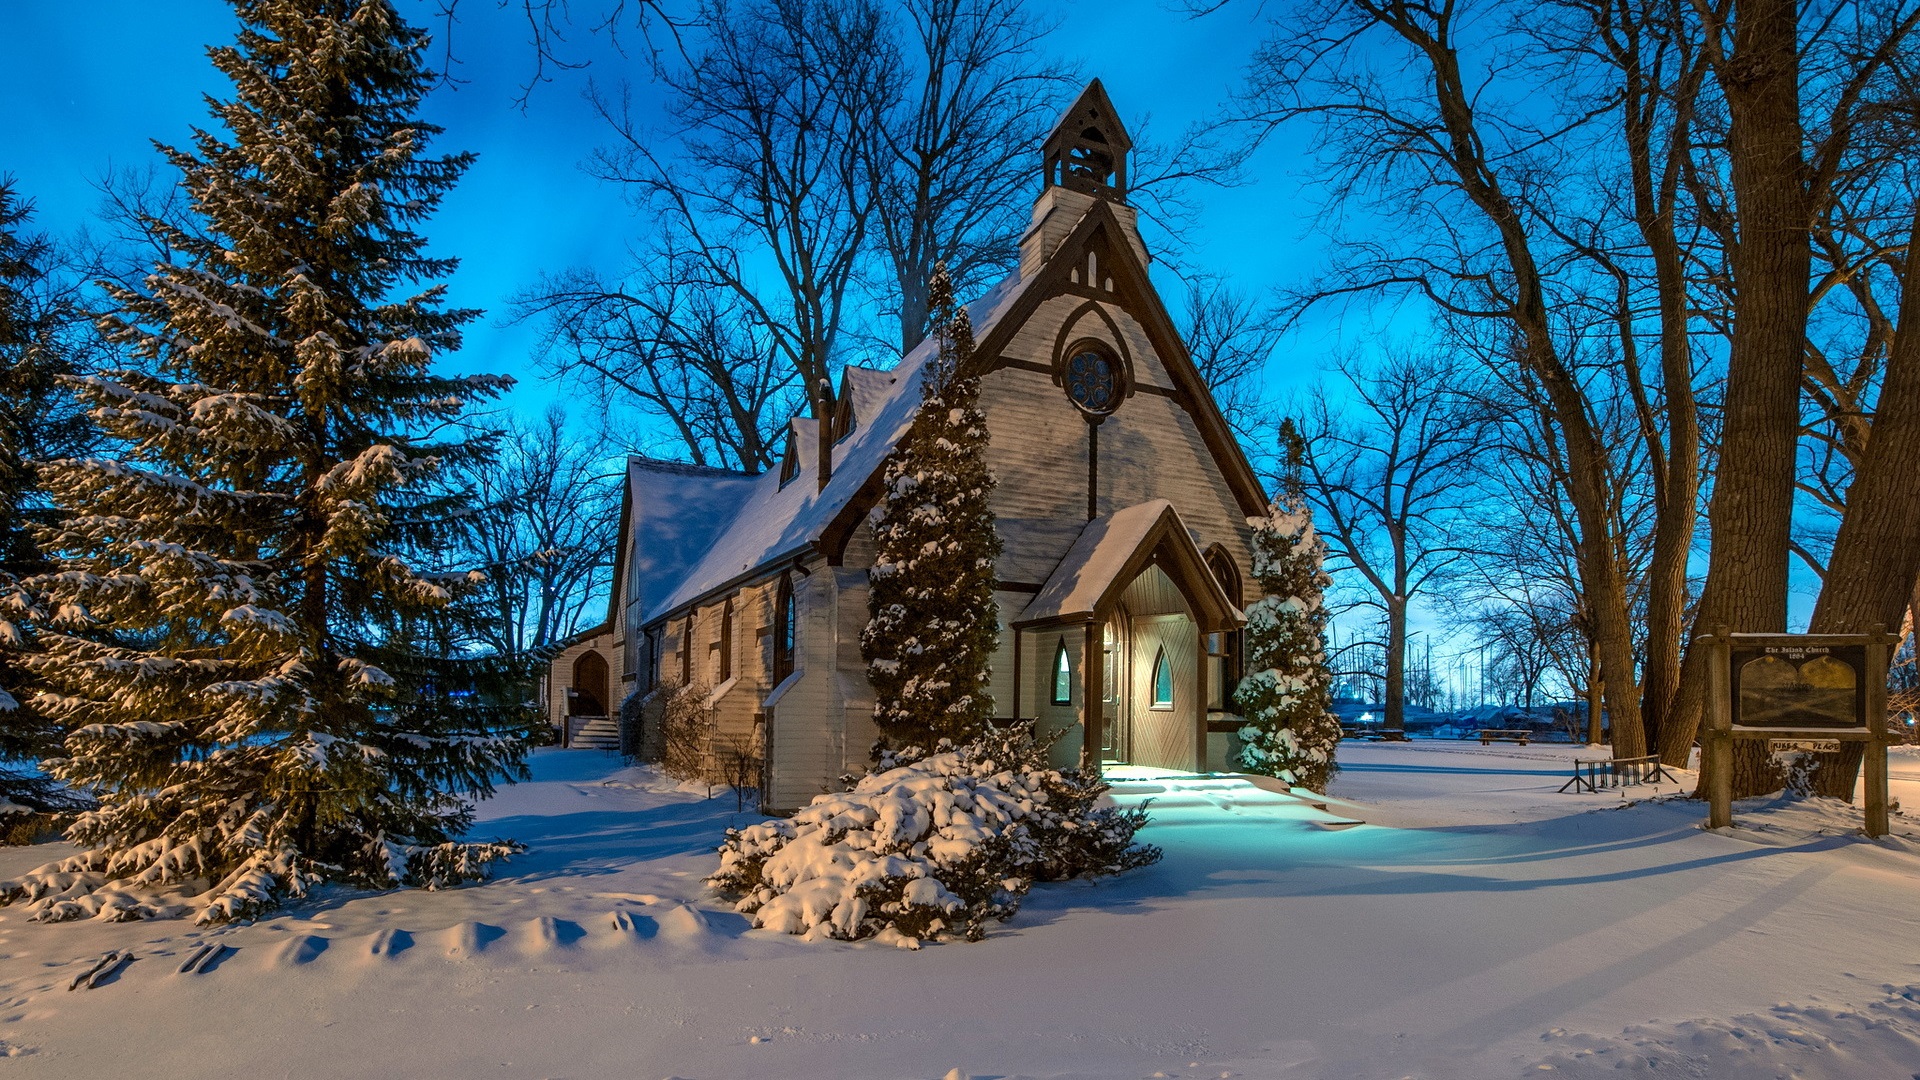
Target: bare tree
951, 165
696, 361
1231, 336
542, 526
1390, 478
763, 179
1402, 109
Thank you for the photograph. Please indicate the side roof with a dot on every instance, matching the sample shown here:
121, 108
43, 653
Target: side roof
671, 514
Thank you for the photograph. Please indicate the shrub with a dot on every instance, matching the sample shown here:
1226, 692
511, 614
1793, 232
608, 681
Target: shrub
686, 730
929, 844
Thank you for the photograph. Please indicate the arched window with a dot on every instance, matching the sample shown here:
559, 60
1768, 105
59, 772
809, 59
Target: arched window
1062, 675
1162, 680
1224, 650
784, 625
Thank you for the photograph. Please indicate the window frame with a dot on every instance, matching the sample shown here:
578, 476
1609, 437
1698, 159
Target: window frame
1161, 664
726, 640
1062, 674
785, 629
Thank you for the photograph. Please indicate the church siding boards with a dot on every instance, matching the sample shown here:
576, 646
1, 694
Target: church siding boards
1082, 278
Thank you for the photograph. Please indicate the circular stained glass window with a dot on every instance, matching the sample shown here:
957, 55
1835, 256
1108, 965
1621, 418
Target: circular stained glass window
1093, 381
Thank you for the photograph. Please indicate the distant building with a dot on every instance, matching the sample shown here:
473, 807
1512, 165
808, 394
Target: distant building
1122, 501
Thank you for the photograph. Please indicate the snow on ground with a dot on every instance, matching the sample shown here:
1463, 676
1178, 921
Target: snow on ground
1477, 925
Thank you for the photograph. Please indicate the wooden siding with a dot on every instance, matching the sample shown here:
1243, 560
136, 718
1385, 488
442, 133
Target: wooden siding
1036, 671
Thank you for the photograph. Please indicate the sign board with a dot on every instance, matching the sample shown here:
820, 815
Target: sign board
1803, 746
1801, 693
1788, 684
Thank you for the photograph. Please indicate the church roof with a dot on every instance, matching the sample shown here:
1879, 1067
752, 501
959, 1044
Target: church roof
749, 522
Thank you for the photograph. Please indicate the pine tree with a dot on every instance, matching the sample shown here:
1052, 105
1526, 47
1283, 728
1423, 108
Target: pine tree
1290, 732
38, 419
252, 647
934, 624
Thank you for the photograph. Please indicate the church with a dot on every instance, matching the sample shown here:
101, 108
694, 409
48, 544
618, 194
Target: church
1122, 503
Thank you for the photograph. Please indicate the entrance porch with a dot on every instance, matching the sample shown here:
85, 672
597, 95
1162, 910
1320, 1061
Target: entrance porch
1111, 649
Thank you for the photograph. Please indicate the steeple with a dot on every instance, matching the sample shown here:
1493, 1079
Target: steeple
1087, 151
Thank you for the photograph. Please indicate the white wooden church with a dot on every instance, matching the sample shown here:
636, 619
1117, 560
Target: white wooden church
1122, 502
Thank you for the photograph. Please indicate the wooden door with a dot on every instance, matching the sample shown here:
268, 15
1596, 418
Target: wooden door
1166, 656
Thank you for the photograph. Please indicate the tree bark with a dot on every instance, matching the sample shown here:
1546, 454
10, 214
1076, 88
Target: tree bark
1752, 509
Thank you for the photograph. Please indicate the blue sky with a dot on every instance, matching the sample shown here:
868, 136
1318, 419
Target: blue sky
94, 91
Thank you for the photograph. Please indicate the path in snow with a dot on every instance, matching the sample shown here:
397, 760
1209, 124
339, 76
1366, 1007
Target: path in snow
1493, 929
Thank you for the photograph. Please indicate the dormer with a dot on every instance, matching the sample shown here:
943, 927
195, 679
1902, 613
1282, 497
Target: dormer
800, 450
1083, 164
861, 389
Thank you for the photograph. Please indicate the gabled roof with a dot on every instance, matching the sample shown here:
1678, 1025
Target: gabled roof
771, 522
1111, 551
674, 512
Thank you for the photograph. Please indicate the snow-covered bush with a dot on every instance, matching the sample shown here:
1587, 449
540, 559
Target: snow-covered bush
929, 844
1290, 732
633, 728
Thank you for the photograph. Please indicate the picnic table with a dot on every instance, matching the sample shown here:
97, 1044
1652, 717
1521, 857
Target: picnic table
1489, 736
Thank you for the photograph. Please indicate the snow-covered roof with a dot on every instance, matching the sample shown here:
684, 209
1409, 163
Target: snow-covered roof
1097, 566
677, 512
770, 521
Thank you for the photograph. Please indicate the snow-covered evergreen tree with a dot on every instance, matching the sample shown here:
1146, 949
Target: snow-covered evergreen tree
1290, 732
930, 640
38, 419
251, 644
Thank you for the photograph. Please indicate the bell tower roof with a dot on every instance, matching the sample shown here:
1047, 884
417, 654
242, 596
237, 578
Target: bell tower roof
1087, 151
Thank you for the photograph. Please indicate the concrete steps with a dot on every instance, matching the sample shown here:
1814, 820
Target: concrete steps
594, 733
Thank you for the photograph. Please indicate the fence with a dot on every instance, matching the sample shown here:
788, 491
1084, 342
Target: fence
1616, 772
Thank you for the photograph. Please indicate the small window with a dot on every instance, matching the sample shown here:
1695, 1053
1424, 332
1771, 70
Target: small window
1162, 681
726, 640
1062, 675
783, 630
686, 652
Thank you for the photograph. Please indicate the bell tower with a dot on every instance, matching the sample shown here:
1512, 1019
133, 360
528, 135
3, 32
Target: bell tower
1087, 151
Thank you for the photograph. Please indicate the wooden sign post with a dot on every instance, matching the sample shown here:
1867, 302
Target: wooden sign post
1814, 689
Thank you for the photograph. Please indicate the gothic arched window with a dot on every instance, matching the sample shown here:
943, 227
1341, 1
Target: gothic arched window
1224, 650
784, 625
1162, 680
1062, 675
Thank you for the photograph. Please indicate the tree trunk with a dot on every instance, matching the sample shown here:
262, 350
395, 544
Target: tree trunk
1596, 727
1752, 509
1876, 555
1396, 706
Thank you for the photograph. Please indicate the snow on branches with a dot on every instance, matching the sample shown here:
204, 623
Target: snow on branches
929, 845
256, 655
1290, 732
933, 624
